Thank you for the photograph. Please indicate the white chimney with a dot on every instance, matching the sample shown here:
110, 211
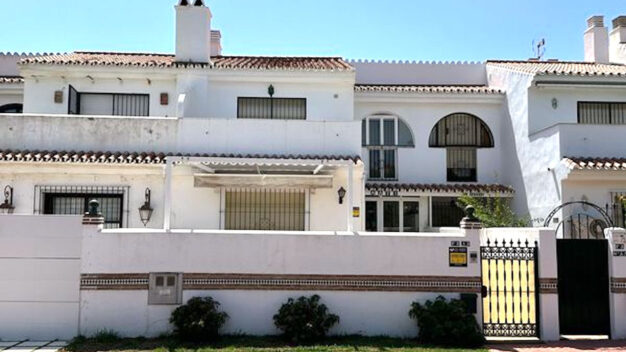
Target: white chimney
216, 43
596, 40
193, 28
617, 41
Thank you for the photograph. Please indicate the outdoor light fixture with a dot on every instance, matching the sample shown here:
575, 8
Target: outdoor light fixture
7, 207
270, 90
342, 193
145, 211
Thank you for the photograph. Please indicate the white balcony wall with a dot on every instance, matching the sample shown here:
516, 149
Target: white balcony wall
186, 135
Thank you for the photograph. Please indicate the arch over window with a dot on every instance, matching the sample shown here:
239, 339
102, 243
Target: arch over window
11, 108
386, 130
461, 130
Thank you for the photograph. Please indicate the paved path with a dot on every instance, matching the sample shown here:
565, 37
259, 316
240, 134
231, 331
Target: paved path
29, 346
564, 346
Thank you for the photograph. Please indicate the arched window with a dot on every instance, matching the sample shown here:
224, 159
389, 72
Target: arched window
461, 134
11, 109
461, 130
382, 135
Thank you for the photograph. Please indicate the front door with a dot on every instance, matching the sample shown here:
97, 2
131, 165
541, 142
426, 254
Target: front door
583, 282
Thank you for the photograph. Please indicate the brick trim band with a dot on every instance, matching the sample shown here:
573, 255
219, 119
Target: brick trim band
549, 286
618, 284
198, 281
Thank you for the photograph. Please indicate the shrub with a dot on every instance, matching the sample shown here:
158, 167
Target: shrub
198, 320
446, 323
304, 320
105, 336
494, 211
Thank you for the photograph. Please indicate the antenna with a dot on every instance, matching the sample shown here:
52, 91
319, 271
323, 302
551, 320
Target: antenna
539, 48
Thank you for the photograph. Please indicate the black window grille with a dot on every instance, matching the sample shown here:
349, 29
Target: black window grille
271, 108
446, 212
461, 164
602, 113
74, 200
265, 209
461, 130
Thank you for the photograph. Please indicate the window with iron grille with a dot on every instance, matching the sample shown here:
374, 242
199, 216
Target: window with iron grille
265, 209
271, 108
445, 212
602, 113
461, 164
110, 104
74, 200
382, 136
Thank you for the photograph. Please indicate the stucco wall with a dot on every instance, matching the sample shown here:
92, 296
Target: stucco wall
39, 277
185, 135
251, 311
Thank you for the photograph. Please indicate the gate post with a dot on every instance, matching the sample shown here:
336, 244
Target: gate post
471, 228
617, 275
548, 305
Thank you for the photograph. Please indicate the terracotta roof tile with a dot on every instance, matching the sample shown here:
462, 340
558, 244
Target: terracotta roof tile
448, 89
441, 188
168, 61
90, 157
11, 79
565, 68
611, 164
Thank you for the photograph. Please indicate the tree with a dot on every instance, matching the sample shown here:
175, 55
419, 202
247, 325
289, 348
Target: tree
494, 211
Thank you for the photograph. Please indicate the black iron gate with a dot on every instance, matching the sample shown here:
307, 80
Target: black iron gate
583, 282
510, 289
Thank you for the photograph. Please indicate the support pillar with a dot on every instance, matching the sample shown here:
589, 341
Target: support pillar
167, 196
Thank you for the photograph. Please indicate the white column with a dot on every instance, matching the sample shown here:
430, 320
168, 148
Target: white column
167, 195
548, 298
617, 273
350, 195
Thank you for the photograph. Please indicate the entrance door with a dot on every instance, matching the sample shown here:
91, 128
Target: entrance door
583, 283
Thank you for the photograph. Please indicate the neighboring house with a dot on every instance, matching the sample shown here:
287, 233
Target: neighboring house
308, 143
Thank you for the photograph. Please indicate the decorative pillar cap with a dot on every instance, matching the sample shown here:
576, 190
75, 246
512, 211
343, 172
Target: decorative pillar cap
93, 216
470, 221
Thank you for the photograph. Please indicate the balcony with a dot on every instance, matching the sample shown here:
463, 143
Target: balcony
178, 135
573, 139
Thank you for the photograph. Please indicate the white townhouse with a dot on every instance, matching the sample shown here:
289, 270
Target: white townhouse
204, 140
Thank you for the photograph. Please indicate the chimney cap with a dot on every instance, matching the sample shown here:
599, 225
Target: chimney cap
595, 21
198, 3
619, 21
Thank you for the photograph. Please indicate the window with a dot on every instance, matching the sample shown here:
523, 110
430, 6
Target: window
265, 209
11, 109
165, 289
599, 113
616, 208
461, 163
69, 200
382, 136
271, 108
446, 212
395, 215
109, 104
461, 134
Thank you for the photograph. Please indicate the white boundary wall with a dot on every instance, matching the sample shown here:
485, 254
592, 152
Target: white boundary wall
251, 310
39, 276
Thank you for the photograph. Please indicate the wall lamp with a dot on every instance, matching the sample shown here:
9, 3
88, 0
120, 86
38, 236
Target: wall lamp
7, 207
341, 193
145, 211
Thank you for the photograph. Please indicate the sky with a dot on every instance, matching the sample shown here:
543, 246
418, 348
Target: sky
433, 30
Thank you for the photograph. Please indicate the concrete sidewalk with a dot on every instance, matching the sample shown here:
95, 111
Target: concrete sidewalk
29, 346
563, 346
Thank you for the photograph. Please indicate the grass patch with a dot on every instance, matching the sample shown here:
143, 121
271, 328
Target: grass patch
256, 344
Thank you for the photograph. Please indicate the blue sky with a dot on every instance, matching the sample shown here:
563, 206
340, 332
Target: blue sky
355, 29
